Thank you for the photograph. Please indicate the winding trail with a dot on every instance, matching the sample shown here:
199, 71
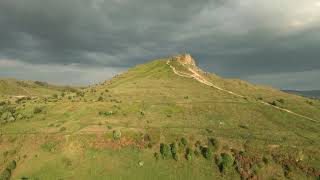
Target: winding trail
195, 75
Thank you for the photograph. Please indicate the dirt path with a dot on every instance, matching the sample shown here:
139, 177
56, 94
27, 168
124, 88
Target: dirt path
195, 75
24, 89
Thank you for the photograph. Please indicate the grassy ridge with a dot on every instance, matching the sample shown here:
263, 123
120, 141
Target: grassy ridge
12, 87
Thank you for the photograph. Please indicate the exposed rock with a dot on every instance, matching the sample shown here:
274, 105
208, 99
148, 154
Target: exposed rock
185, 59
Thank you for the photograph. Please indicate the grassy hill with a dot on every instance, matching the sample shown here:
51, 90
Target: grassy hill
166, 119
12, 87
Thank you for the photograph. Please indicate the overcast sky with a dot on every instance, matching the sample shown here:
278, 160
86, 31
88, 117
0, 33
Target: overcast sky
272, 42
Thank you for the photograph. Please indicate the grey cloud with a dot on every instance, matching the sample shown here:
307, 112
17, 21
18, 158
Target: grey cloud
232, 38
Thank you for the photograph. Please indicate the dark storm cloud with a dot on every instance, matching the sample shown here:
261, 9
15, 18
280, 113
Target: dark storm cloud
70, 31
243, 39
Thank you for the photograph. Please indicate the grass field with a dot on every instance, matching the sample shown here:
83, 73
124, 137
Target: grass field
70, 135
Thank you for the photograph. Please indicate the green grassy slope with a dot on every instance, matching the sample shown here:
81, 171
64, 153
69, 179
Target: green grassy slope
71, 136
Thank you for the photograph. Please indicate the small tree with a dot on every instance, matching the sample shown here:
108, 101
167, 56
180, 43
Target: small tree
164, 150
206, 152
37, 110
174, 148
174, 151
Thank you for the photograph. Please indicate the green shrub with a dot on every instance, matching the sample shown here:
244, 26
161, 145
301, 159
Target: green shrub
209, 130
6, 115
20, 116
156, 155
12, 165
116, 134
80, 94
175, 157
164, 150
213, 144
41, 83
147, 138
50, 146
5, 175
184, 142
100, 98
150, 145
197, 153
55, 96
189, 154
273, 103
265, 160
197, 144
226, 163
288, 169
244, 126
63, 129
5, 153
226, 147
67, 162
256, 169
37, 110
108, 113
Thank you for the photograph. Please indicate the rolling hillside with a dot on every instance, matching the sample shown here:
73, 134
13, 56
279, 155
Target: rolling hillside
166, 119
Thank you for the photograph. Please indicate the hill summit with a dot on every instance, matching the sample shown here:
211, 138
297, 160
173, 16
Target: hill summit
185, 59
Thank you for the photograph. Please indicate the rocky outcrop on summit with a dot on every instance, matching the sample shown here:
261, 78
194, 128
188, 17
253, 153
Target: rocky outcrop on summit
185, 59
